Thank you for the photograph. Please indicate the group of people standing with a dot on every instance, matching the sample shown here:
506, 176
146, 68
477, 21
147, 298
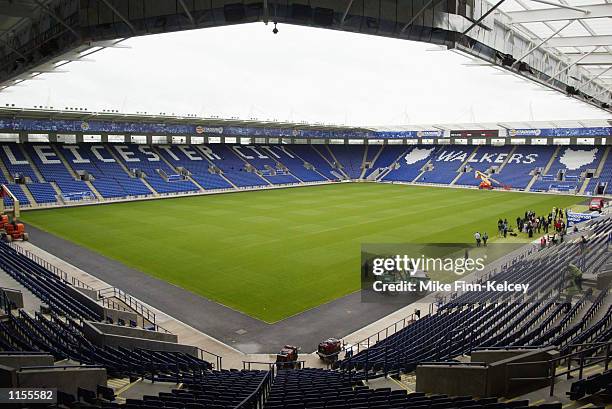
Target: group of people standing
531, 223
502, 228
481, 238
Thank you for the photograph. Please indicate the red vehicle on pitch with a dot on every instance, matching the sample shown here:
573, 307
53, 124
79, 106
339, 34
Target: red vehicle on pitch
597, 204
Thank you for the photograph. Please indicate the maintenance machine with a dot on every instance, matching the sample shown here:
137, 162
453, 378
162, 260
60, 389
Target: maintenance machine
11, 230
329, 350
487, 182
287, 358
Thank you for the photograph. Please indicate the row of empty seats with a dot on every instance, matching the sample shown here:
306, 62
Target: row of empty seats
47, 171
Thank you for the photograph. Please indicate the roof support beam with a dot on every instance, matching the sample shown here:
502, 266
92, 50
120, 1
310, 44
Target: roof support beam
540, 15
572, 64
541, 43
348, 8
593, 59
417, 15
563, 6
57, 18
593, 79
187, 12
121, 17
582, 41
485, 15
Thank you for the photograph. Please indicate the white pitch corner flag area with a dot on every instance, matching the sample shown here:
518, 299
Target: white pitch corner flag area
299, 74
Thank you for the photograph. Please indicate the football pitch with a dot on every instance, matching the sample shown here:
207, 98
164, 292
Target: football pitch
275, 253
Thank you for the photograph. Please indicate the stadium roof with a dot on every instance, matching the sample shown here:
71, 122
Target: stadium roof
23, 113
587, 123
579, 30
561, 44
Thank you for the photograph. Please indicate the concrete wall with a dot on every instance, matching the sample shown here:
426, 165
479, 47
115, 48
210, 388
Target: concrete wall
14, 295
604, 280
7, 376
490, 379
18, 361
83, 295
452, 380
134, 332
66, 379
100, 338
490, 356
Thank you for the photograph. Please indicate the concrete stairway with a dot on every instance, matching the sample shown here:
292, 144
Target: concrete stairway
167, 162
32, 165
124, 167
6, 173
459, 171
545, 170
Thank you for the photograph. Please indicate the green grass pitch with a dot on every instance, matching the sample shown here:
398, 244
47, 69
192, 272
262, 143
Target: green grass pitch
275, 253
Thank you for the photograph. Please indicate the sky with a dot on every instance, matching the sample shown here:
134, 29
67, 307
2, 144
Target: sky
299, 74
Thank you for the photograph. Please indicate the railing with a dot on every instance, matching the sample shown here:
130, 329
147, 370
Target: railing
51, 267
584, 357
257, 398
379, 335
246, 365
218, 358
109, 292
130, 301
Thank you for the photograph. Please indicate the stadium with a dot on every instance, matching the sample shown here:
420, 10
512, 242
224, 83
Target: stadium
203, 261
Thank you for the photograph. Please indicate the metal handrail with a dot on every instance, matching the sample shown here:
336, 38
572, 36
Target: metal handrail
131, 302
582, 358
218, 358
246, 365
260, 393
410, 319
50, 267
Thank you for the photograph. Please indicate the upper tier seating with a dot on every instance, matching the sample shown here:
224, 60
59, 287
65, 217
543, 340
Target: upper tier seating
110, 179
388, 156
264, 160
350, 157
52, 169
572, 162
483, 159
409, 163
524, 159
446, 162
16, 162
145, 159
296, 165
310, 154
234, 168
196, 160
